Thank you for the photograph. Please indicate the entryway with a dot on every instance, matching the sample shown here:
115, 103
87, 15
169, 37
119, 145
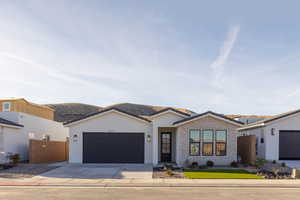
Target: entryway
167, 145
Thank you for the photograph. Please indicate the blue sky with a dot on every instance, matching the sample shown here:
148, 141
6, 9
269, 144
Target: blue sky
225, 56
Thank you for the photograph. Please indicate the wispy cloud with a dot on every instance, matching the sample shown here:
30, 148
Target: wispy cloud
218, 64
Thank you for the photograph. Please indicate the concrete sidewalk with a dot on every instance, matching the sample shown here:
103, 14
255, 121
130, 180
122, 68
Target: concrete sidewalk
150, 182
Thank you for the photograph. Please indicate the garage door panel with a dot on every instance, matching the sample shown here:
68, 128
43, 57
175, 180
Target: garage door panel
113, 147
289, 145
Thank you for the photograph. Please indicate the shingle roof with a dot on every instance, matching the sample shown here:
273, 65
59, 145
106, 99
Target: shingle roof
208, 112
10, 123
72, 111
145, 110
106, 110
270, 119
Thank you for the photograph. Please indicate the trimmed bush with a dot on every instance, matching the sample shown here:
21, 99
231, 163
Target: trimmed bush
210, 163
234, 164
194, 165
15, 158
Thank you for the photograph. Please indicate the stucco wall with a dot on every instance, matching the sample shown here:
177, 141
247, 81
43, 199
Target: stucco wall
109, 122
206, 123
14, 141
261, 147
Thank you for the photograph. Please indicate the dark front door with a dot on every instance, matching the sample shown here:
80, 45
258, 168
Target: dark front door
166, 147
289, 145
99, 147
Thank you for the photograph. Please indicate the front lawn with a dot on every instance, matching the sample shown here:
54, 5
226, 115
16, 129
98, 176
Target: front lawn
220, 174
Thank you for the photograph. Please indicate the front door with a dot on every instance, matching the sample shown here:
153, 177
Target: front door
166, 147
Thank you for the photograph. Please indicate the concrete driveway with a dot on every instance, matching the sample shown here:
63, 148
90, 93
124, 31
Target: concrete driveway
292, 163
101, 171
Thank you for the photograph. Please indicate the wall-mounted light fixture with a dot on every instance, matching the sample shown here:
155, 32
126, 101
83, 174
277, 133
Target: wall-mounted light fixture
272, 131
75, 138
148, 138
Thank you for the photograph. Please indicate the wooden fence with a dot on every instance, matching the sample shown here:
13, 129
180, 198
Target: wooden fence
41, 151
246, 148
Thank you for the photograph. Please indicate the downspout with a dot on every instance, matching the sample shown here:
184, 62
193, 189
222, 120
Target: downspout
2, 153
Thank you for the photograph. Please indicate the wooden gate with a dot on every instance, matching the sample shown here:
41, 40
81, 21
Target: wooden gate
41, 151
246, 148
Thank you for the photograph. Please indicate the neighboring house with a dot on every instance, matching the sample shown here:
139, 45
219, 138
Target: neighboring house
22, 105
278, 137
21, 122
10, 138
113, 135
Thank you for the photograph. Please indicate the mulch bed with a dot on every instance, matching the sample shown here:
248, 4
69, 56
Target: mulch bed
159, 173
25, 170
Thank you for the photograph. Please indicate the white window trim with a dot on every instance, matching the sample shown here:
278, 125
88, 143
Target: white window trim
3, 107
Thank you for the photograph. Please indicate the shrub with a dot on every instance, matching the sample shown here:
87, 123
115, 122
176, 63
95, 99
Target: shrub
194, 165
260, 162
210, 163
274, 162
234, 164
15, 158
169, 172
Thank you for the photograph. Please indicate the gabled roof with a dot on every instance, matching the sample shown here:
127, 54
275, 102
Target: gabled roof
145, 110
4, 122
104, 111
172, 110
264, 122
208, 113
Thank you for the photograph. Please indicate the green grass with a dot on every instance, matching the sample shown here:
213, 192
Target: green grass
220, 174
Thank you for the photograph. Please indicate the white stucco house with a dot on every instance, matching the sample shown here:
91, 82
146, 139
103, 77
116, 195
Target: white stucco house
115, 136
278, 137
16, 128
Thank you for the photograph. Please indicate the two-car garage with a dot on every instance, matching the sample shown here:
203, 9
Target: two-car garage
289, 145
113, 147
110, 136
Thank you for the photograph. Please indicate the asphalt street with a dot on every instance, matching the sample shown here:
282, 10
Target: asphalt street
145, 193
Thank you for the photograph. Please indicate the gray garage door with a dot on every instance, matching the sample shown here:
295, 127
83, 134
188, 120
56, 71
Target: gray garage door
113, 147
289, 145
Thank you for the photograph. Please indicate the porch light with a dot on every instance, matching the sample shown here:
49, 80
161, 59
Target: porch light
272, 131
148, 138
75, 138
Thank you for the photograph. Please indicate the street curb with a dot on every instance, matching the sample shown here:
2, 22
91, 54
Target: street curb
150, 186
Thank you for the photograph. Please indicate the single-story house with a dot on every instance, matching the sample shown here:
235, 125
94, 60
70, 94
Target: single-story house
113, 135
278, 137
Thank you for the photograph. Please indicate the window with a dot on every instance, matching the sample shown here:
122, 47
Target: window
195, 142
221, 140
208, 143
6, 107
